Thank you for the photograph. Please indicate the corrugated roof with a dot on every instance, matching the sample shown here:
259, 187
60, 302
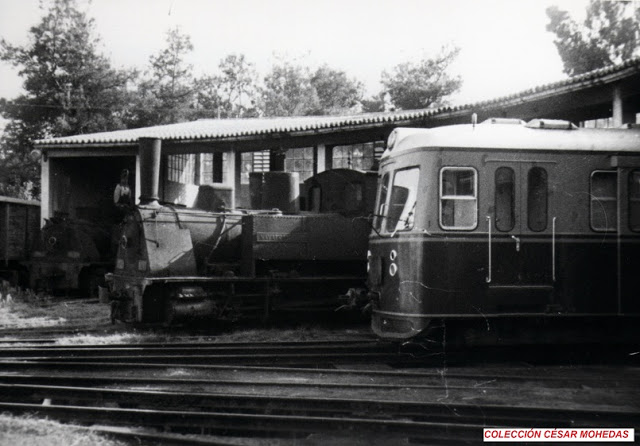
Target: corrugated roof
219, 129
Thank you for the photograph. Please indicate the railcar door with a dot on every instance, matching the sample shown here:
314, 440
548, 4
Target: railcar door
520, 235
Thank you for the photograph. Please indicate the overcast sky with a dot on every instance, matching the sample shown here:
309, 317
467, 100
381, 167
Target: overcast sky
505, 47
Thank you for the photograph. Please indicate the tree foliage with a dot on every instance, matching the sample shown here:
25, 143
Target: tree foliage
422, 84
295, 90
70, 88
166, 95
610, 34
230, 93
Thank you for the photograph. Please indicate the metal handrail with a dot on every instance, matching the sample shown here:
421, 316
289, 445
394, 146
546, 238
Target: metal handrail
553, 249
488, 279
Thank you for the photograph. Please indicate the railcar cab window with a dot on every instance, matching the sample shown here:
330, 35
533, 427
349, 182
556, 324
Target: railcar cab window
458, 198
402, 203
382, 202
634, 200
604, 201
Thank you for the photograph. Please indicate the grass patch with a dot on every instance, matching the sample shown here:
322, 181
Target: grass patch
26, 309
31, 431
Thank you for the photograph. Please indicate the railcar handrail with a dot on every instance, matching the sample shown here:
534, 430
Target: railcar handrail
553, 249
488, 279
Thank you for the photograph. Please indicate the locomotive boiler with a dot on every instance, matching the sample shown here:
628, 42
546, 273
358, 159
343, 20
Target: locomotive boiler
176, 263
532, 224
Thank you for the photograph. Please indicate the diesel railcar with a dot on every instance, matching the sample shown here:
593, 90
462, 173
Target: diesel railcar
176, 263
505, 220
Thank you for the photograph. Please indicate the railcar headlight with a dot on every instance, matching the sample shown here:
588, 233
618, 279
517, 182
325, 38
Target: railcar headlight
393, 269
393, 255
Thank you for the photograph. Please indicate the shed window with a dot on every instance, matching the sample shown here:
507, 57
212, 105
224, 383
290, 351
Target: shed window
537, 199
181, 168
604, 201
458, 198
505, 199
381, 210
634, 200
404, 197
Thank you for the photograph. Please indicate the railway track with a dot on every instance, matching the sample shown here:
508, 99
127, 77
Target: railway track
347, 392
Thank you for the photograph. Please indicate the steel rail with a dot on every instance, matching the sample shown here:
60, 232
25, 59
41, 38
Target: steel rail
316, 380
632, 374
243, 422
507, 415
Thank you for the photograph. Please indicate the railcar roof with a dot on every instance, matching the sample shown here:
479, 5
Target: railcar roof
516, 137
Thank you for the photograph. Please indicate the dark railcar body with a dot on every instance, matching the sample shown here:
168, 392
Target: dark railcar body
505, 220
19, 226
71, 254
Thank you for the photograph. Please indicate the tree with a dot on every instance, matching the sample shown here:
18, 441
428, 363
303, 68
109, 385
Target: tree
295, 90
337, 94
288, 91
610, 34
422, 84
167, 94
70, 87
231, 93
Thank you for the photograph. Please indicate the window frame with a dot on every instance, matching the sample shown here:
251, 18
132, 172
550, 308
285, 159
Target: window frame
529, 200
592, 199
442, 197
512, 204
390, 195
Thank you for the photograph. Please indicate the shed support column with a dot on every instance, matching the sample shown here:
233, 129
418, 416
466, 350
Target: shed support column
45, 191
620, 117
320, 155
233, 175
136, 191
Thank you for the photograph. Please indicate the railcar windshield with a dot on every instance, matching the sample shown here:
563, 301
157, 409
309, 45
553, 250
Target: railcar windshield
458, 198
402, 204
382, 202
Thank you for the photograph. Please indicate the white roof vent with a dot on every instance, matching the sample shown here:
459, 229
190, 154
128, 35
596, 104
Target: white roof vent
504, 121
552, 124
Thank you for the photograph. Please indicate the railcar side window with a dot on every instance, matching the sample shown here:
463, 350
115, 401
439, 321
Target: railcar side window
381, 210
634, 200
458, 198
404, 197
604, 201
505, 199
537, 193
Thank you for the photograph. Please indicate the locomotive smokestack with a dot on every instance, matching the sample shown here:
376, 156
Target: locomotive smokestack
149, 150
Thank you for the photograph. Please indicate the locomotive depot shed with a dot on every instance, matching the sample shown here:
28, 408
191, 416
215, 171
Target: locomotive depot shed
213, 157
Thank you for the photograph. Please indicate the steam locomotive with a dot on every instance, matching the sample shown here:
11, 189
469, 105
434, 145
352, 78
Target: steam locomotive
535, 221
175, 263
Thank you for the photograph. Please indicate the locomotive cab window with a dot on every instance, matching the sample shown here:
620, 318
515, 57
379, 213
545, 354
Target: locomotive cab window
634, 200
403, 200
458, 198
604, 201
